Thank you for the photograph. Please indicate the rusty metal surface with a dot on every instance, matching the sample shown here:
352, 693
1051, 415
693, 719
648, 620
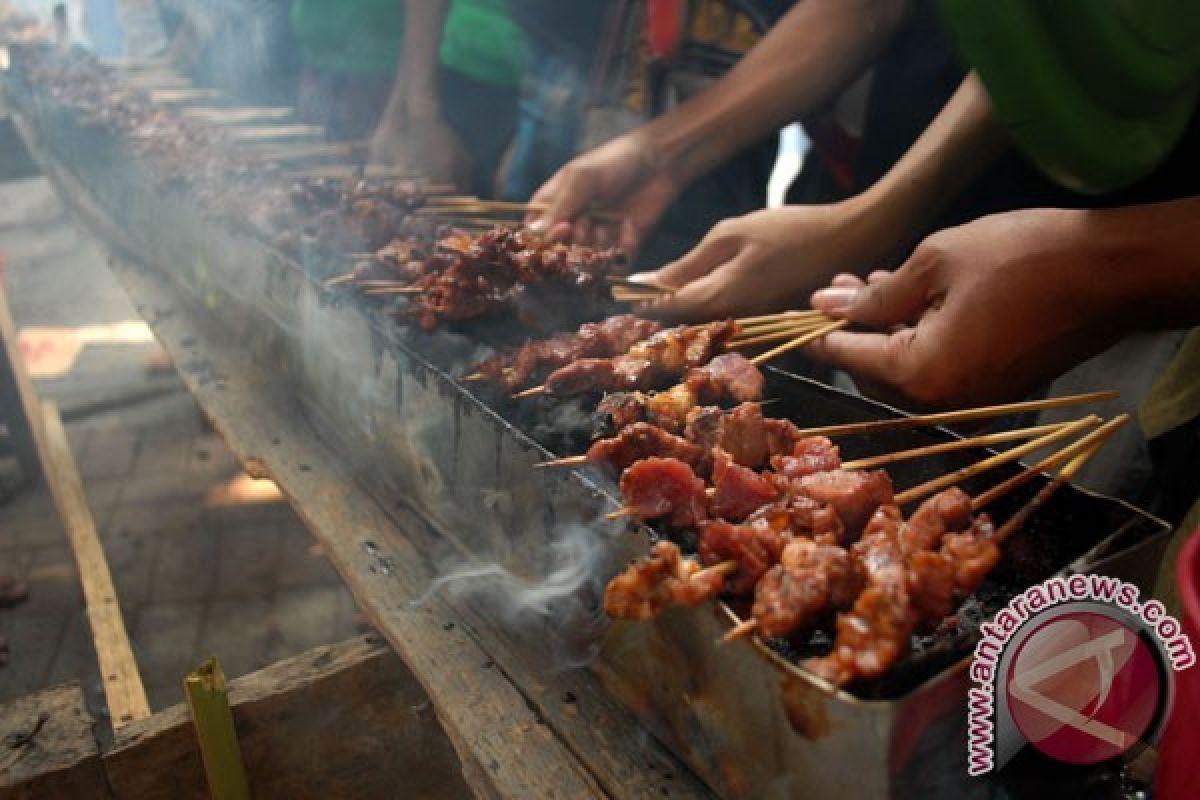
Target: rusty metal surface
749, 721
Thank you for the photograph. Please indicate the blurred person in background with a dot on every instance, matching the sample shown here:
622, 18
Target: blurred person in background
563, 44
652, 57
452, 108
348, 54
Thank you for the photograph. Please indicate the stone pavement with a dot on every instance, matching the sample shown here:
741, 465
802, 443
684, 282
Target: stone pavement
197, 573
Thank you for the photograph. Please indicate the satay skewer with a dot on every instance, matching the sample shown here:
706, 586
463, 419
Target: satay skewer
978, 468
983, 440
649, 285
1075, 454
395, 290
1080, 451
783, 334
792, 318
962, 415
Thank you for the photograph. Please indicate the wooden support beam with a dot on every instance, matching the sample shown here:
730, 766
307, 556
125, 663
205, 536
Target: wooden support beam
122, 683
47, 748
346, 720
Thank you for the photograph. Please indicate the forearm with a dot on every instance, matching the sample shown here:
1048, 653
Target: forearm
963, 140
1144, 261
810, 55
414, 89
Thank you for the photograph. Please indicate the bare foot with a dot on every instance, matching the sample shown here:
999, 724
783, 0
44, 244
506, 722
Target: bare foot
13, 591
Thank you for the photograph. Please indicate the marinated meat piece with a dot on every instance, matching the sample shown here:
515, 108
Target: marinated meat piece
810, 581
802, 516
739, 491
727, 377
870, 638
809, 455
948, 510
619, 410
739, 432
853, 494
754, 552
649, 364
660, 580
530, 362
974, 554
642, 440
498, 270
664, 488
593, 375
722, 379
669, 409
781, 435
931, 588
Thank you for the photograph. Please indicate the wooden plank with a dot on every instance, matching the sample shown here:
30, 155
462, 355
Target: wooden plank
519, 731
19, 407
47, 748
346, 720
118, 669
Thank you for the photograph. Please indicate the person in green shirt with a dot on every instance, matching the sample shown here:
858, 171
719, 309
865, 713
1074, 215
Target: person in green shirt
453, 104
433, 83
348, 52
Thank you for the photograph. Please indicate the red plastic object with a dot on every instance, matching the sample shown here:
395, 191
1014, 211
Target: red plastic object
1179, 751
664, 27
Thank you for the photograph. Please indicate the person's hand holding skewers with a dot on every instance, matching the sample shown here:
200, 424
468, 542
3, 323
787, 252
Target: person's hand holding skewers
990, 310
768, 260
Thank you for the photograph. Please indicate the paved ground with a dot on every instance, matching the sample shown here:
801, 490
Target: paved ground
196, 574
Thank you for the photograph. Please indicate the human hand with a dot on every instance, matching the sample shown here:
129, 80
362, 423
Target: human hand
984, 312
764, 261
621, 176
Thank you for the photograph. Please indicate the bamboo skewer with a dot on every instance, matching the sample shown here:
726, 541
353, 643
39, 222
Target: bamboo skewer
1083, 448
978, 468
740, 631
400, 290
746, 332
777, 317
964, 415
782, 318
531, 392
567, 461
985, 440
774, 336
627, 296
798, 342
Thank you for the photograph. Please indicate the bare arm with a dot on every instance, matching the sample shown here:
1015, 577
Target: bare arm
768, 260
989, 310
414, 91
412, 129
814, 52
810, 55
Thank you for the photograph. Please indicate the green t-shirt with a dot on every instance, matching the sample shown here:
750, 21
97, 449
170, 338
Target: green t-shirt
482, 41
349, 36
